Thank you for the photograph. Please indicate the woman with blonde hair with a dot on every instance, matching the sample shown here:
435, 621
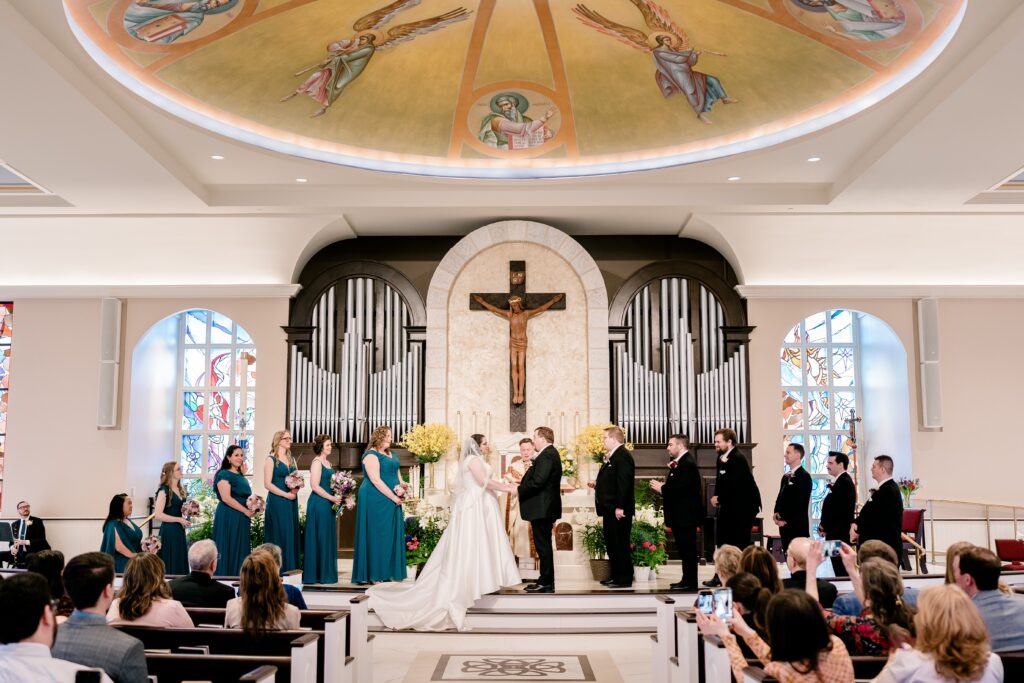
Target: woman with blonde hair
145, 598
169, 498
727, 562
952, 643
379, 553
261, 604
281, 518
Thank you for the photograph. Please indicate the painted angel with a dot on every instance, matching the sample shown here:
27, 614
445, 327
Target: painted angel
673, 56
346, 59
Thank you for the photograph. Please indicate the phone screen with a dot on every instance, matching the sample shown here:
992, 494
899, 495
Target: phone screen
706, 602
830, 548
723, 603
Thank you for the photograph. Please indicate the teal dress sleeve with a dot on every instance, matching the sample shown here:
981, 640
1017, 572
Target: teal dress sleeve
131, 538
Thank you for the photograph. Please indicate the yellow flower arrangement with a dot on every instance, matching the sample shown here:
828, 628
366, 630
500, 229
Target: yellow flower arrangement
590, 441
428, 442
568, 461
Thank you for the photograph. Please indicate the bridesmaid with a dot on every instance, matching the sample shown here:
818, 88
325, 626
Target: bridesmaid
380, 525
122, 538
169, 497
281, 518
232, 518
320, 564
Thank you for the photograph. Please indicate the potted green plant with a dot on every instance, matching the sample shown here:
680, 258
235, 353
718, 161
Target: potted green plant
591, 532
647, 543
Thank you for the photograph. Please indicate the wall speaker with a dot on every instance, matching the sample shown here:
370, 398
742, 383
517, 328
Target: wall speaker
930, 384
110, 362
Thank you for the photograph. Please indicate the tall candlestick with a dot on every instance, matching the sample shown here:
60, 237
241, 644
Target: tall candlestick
561, 426
458, 424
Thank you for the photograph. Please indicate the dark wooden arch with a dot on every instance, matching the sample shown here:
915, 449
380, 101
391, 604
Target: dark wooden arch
732, 304
302, 308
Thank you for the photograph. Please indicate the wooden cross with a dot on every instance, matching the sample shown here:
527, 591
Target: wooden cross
517, 306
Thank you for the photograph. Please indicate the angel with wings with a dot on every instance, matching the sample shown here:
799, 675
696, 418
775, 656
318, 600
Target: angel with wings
347, 58
673, 56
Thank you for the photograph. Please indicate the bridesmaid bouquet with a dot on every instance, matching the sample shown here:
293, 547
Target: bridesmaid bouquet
255, 503
151, 544
294, 481
344, 485
403, 490
190, 508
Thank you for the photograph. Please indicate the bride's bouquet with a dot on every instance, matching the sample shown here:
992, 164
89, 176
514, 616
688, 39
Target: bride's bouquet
343, 484
255, 503
294, 481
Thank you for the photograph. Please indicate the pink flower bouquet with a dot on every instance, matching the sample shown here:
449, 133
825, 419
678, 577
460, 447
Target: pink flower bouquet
190, 508
294, 481
403, 490
255, 503
344, 484
151, 544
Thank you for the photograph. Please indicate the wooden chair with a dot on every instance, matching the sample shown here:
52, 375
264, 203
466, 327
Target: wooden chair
913, 539
1011, 551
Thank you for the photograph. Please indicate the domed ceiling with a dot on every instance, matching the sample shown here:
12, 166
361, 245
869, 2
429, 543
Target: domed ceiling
513, 88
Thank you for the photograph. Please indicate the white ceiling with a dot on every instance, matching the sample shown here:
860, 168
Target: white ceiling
903, 194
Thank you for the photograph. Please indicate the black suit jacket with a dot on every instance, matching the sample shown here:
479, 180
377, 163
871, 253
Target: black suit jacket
201, 590
539, 492
881, 518
682, 498
837, 508
35, 535
827, 592
614, 489
738, 496
792, 503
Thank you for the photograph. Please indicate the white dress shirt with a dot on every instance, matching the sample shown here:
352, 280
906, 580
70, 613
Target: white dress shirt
24, 662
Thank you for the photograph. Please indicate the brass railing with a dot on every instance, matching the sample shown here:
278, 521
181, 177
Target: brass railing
989, 513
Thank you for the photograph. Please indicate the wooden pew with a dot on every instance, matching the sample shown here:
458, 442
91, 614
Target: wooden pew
688, 654
264, 674
360, 639
313, 619
176, 667
663, 644
1013, 665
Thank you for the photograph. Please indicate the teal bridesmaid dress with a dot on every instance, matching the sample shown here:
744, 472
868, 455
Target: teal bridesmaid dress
173, 548
320, 563
231, 527
131, 537
281, 519
379, 553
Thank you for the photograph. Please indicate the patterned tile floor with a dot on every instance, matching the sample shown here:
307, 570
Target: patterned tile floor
596, 667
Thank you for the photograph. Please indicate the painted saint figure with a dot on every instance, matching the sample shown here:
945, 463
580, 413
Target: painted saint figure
508, 118
156, 21
347, 59
866, 19
517, 317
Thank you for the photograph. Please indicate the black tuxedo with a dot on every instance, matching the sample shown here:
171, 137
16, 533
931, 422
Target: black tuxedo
613, 491
683, 504
837, 514
35, 534
739, 500
881, 517
791, 505
201, 590
827, 592
540, 503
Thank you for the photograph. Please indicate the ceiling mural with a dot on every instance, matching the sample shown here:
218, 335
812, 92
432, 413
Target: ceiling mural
513, 88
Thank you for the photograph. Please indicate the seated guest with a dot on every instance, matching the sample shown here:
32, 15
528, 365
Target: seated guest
952, 553
29, 537
802, 650
885, 622
122, 538
727, 562
199, 589
145, 598
86, 638
848, 604
261, 604
26, 634
294, 593
796, 560
50, 563
977, 573
750, 601
952, 643
759, 562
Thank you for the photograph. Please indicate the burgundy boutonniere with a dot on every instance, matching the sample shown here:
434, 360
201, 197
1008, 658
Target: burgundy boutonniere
672, 464
828, 486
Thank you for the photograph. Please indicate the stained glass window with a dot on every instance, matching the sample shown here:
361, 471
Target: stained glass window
819, 390
6, 335
216, 390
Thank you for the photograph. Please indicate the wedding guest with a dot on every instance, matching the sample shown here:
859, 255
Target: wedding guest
952, 553
86, 638
881, 517
802, 649
750, 601
29, 537
320, 560
122, 538
281, 518
977, 572
796, 560
169, 498
952, 644
837, 510
791, 505
736, 498
683, 505
540, 503
261, 605
199, 588
26, 634
50, 563
615, 498
848, 603
379, 553
516, 527
727, 563
232, 518
292, 593
145, 598
759, 562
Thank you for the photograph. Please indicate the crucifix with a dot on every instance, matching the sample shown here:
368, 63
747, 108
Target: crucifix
517, 307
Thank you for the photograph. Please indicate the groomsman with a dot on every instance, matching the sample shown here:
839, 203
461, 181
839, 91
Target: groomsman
540, 504
736, 496
837, 510
881, 517
615, 500
683, 503
794, 498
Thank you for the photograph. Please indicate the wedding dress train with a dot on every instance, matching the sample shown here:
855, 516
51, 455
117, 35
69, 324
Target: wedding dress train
472, 558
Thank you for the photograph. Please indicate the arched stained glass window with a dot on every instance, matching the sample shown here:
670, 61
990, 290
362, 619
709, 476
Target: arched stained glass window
820, 386
216, 390
6, 335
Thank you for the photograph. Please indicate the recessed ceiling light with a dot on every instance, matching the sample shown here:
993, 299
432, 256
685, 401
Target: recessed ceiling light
813, 159
734, 178
302, 180
217, 157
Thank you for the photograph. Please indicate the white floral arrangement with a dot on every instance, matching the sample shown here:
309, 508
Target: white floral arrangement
646, 514
585, 517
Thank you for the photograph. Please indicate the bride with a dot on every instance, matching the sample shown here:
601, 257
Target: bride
472, 558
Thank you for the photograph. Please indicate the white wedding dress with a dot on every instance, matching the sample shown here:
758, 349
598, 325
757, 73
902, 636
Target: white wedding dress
472, 558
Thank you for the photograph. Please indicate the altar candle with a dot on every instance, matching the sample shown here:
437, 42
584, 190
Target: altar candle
487, 424
561, 426
458, 424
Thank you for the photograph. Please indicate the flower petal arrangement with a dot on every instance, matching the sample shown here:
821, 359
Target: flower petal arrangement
344, 484
429, 442
589, 442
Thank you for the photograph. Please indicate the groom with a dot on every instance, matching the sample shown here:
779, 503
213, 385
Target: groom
540, 504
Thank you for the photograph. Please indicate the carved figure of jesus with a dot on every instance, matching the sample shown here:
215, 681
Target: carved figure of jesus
517, 317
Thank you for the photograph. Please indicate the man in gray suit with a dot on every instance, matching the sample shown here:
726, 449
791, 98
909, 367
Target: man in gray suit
85, 638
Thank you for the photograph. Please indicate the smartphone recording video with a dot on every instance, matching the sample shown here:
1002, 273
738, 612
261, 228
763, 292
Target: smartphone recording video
723, 603
706, 602
830, 548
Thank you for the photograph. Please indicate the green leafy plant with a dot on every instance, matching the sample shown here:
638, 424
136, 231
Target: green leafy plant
423, 531
647, 544
644, 493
